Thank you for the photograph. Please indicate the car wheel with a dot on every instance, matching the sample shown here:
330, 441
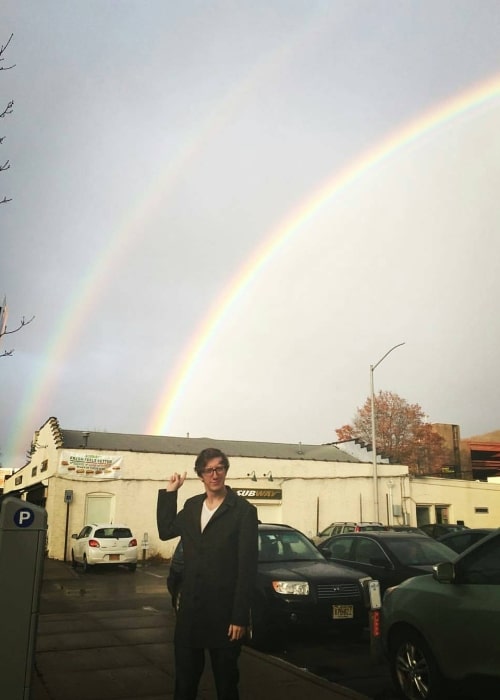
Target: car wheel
414, 670
85, 565
73, 560
132, 567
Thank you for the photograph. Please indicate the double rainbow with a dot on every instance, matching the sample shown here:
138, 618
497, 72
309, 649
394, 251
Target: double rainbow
484, 93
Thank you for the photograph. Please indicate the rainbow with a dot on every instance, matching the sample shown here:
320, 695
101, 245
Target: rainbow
86, 295
479, 95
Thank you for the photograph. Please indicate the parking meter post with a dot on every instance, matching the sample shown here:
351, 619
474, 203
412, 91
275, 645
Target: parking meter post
375, 620
23, 528
145, 547
68, 497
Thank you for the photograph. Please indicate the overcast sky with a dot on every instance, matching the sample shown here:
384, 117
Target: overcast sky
170, 232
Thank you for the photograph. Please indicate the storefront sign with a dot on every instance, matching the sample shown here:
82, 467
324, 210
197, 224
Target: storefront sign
87, 465
260, 494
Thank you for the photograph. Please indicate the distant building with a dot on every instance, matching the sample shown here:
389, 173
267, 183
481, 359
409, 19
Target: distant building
483, 451
475, 458
4, 473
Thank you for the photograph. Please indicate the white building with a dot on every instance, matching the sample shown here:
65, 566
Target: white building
83, 477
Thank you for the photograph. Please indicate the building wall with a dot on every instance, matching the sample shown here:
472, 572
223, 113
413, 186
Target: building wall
476, 503
313, 493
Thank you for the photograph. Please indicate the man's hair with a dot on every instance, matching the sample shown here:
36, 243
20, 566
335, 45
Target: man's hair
206, 455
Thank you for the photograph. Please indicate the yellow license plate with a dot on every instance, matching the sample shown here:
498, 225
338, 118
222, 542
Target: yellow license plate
343, 612
114, 557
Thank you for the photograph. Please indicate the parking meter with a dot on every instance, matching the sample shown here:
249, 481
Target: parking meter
23, 528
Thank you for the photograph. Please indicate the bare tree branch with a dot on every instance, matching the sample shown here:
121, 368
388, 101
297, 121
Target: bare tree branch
7, 353
2, 51
8, 109
23, 323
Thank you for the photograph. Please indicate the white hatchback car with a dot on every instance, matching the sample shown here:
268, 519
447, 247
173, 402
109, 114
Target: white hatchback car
104, 544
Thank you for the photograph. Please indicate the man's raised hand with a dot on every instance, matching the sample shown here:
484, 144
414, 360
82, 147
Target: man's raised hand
175, 481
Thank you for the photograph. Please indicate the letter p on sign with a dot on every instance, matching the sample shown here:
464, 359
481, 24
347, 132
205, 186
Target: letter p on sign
24, 517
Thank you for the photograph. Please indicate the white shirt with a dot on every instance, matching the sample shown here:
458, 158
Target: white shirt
206, 514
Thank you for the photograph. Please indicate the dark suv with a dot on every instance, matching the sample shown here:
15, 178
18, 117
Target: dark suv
296, 588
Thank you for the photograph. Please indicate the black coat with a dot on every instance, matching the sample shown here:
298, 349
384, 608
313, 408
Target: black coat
220, 566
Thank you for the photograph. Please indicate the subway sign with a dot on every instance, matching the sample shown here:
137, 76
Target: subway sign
260, 494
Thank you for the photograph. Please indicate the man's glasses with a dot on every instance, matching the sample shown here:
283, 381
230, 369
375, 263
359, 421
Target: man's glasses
215, 470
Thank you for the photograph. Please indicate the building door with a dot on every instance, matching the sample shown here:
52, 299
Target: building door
423, 515
99, 508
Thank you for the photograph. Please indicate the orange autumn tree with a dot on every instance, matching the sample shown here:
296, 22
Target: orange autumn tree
403, 436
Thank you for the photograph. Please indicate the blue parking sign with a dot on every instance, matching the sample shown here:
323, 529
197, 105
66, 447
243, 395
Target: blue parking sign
24, 517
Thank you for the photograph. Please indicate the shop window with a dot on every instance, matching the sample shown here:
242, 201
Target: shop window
442, 515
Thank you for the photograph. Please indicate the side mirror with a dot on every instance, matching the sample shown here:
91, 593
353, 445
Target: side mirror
74, 537
444, 572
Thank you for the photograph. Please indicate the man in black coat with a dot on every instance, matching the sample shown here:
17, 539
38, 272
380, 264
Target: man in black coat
219, 539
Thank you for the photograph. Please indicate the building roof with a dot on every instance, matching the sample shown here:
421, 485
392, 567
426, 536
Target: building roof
494, 436
91, 440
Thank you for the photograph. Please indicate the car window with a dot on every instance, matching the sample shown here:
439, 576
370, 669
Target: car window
368, 552
122, 532
85, 532
415, 551
112, 532
104, 532
427, 529
340, 548
373, 527
348, 528
286, 545
326, 532
459, 542
481, 566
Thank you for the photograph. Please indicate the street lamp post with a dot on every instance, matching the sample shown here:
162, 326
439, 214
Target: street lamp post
374, 430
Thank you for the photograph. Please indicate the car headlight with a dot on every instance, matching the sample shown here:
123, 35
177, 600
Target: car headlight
291, 587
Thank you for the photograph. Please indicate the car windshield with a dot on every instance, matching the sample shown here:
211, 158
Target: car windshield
420, 551
112, 532
283, 545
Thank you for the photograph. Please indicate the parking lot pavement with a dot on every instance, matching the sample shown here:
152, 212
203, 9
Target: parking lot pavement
128, 655
118, 645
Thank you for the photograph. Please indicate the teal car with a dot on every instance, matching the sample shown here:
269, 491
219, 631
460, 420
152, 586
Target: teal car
442, 629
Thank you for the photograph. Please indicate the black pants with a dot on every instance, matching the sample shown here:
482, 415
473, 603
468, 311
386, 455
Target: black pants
189, 665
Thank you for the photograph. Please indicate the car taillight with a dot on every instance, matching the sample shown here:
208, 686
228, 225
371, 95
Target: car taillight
357, 529
94, 543
375, 623
133, 543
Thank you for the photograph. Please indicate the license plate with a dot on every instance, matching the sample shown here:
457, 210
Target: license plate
343, 612
116, 557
